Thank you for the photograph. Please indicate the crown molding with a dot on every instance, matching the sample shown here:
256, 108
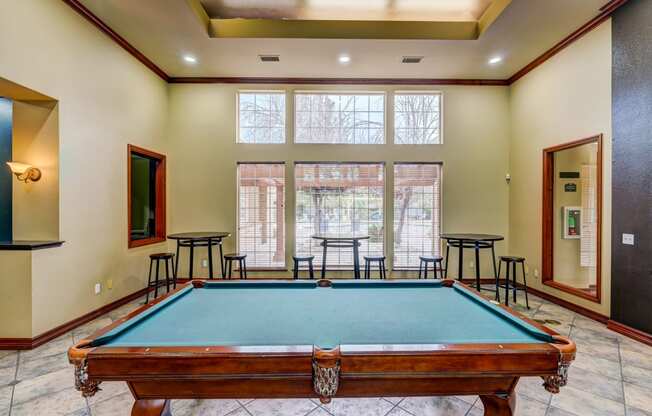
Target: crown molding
122, 42
605, 12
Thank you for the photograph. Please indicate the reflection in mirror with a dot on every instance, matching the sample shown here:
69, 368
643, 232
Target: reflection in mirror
572, 175
575, 223
143, 196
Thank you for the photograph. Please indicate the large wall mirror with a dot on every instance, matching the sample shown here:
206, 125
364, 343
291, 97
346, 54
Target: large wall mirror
572, 217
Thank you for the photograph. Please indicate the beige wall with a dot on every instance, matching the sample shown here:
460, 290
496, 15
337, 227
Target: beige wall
106, 100
566, 98
203, 156
36, 141
16, 294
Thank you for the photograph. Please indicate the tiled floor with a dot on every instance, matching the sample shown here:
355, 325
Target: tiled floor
612, 376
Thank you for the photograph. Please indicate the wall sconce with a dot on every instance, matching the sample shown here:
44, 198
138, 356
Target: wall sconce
25, 172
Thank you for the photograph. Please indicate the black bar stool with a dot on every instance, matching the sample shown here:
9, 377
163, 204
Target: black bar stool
436, 261
167, 258
381, 266
298, 260
512, 261
242, 264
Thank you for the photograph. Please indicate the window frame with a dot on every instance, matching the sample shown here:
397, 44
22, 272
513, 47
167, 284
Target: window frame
441, 210
383, 206
238, 139
160, 217
285, 224
441, 115
296, 93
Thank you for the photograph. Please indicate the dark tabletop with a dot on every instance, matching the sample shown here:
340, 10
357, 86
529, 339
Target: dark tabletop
199, 235
472, 237
338, 237
26, 245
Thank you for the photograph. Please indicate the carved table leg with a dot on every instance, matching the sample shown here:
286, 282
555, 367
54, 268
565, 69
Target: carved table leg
499, 405
151, 408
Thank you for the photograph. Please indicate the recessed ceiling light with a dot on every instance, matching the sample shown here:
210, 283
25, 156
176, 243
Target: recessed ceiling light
495, 60
344, 59
190, 59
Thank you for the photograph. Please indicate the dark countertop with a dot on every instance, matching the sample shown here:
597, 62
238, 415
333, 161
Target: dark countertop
27, 245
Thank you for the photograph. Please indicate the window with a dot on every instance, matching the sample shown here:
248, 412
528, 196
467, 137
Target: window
417, 118
261, 117
146, 194
417, 212
261, 214
345, 118
340, 199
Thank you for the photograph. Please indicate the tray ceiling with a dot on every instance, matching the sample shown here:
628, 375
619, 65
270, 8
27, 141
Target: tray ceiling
166, 31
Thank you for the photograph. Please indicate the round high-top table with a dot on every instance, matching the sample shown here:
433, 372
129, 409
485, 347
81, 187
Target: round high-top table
200, 239
476, 242
339, 241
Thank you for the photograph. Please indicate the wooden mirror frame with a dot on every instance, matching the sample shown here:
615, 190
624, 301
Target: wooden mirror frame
547, 212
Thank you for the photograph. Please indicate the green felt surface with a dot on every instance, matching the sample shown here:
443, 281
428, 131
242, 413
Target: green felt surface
300, 313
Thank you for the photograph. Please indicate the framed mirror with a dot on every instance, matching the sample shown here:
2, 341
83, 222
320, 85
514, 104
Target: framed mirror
572, 217
146, 197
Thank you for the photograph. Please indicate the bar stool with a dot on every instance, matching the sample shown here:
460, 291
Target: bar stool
436, 261
167, 258
512, 260
242, 264
381, 266
298, 260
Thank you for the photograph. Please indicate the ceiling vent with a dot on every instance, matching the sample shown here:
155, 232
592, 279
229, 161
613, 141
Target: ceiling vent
269, 58
412, 59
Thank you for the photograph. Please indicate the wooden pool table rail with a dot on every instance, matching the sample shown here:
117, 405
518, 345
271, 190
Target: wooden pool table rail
155, 373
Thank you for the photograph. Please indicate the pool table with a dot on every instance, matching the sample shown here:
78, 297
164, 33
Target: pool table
322, 339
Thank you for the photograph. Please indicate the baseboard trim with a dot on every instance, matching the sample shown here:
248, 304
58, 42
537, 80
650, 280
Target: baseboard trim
630, 332
15, 343
550, 298
30, 343
568, 305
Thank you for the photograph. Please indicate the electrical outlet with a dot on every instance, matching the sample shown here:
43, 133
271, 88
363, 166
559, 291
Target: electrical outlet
628, 239
109, 284
527, 269
204, 263
471, 265
98, 288
536, 272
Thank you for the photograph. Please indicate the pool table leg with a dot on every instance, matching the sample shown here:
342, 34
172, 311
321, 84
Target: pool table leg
499, 405
158, 407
